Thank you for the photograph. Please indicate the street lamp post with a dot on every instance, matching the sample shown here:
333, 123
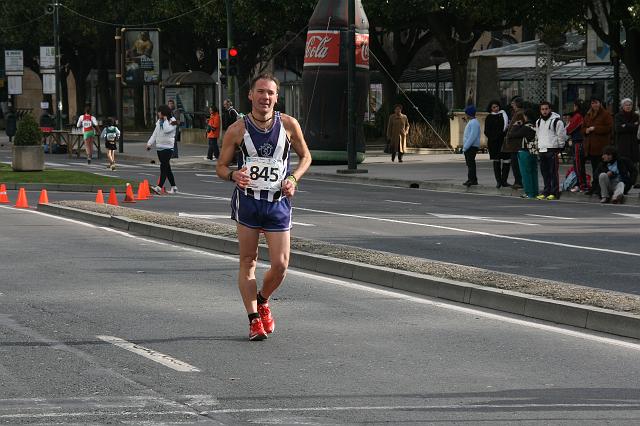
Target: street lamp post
56, 44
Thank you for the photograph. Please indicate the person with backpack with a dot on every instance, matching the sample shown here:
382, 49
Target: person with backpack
110, 135
523, 135
551, 136
596, 129
90, 128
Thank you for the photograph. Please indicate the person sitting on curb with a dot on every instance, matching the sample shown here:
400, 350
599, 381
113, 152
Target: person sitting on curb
614, 175
471, 145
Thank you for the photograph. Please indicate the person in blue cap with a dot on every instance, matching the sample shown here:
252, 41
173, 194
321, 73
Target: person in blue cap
471, 144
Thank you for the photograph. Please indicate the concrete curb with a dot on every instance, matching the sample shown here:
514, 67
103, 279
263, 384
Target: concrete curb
63, 187
587, 317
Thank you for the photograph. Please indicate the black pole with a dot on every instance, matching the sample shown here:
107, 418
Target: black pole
118, 40
56, 44
351, 95
615, 58
230, 78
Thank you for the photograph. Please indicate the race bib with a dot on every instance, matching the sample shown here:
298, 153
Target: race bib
86, 123
111, 137
265, 173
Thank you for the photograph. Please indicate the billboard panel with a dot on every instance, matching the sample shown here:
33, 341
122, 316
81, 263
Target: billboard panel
141, 56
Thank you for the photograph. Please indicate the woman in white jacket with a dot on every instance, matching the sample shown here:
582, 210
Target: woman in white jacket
163, 138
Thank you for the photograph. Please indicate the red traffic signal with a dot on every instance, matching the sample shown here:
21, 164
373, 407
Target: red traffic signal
233, 52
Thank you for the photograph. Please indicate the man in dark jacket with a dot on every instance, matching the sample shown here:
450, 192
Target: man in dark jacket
614, 175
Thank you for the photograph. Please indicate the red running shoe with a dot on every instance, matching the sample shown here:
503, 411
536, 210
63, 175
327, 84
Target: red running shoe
256, 330
266, 317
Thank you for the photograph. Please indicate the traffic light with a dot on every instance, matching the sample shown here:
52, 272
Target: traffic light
222, 65
232, 67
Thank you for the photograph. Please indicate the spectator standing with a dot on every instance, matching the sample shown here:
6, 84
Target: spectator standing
523, 135
517, 105
163, 138
614, 176
551, 136
397, 131
596, 129
213, 133
471, 145
90, 129
230, 115
576, 140
626, 127
177, 116
495, 129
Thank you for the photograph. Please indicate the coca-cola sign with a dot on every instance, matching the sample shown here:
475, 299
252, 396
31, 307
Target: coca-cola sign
362, 50
323, 48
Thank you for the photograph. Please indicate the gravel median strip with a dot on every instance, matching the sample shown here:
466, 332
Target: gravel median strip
533, 286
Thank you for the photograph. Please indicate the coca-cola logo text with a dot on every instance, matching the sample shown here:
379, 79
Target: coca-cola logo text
317, 47
322, 48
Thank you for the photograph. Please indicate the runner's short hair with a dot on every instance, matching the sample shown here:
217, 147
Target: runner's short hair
265, 76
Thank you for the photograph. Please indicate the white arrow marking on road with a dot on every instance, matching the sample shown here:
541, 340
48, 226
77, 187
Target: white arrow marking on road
485, 219
158, 357
403, 202
632, 215
551, 217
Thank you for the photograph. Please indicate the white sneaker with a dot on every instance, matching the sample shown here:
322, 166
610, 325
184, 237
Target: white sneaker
156, 189
173, 190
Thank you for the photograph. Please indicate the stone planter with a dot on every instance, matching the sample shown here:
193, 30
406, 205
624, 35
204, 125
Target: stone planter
27, 158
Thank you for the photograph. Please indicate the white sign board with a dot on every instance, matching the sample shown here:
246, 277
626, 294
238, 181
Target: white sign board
13, 62
14, 85
49, 84
47, 57
598, 52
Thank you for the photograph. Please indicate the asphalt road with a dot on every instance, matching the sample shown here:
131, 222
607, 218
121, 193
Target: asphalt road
81, 305
580, 243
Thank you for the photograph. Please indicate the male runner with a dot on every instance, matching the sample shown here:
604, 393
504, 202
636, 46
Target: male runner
261, 199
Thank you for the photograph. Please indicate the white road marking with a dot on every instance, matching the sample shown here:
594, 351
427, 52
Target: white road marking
158, 357
146, 174
403, 202
205, 175
133, 414
225, 216
423, 407
208, 197
400, 295
551, 217
204, 216
480, 218
468, 231
635, 216
212, 181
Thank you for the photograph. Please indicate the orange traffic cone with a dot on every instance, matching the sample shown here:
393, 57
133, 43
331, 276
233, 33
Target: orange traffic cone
128, 197
4, 198
141, 194
22, 202
99, 197
44, 197
147, 190
113, 200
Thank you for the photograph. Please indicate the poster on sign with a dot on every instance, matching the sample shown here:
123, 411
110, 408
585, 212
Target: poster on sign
362, 50
142, 56
13, 62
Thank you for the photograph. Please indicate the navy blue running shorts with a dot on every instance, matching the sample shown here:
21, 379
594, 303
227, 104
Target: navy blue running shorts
270, 216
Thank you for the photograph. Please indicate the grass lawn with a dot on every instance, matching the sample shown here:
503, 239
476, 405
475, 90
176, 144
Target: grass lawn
56, 176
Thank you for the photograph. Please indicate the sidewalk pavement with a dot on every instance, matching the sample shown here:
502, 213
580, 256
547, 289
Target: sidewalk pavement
443, 172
